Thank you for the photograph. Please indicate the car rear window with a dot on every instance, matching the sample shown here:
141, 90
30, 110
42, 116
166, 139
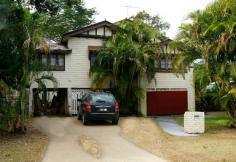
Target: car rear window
102, 98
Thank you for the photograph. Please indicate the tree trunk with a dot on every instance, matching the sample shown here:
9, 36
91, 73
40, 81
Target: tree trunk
22, 105
232, 113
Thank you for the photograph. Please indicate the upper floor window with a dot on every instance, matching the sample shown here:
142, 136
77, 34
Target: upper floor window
55, 62
44, 59
165, 65
92, 57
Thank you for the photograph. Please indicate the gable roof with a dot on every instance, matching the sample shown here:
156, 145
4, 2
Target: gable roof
79, 32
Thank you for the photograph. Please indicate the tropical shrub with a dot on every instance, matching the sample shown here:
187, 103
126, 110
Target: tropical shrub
9, 114
19, 66
131, 55
210, 36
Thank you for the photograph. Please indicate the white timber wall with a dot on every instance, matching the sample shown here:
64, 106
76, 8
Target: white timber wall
169, 81
77, 66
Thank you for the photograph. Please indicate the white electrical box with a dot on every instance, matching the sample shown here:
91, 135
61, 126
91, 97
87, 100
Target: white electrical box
194, 122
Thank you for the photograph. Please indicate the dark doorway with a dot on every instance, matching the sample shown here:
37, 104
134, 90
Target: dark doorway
50, 102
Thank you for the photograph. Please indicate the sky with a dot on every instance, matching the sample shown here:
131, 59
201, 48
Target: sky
172, 11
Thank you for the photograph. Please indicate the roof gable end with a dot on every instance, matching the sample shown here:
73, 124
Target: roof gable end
99, 30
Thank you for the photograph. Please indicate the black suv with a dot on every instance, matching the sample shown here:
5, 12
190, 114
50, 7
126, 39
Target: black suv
98, 106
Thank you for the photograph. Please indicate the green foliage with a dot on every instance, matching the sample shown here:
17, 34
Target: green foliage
61, 16
20, 30
204, 93
154, 21
130, 56
9, 114
211, 36
201, 79
18, 60
9, 108
4, 89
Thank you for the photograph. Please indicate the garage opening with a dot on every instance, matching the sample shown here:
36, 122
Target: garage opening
50, 102
166, 102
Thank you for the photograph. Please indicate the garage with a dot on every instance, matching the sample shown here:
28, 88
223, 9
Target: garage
166, 102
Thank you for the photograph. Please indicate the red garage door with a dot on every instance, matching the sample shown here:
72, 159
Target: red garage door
166, 102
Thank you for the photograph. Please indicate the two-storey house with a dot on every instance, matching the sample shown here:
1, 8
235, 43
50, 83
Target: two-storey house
70, 64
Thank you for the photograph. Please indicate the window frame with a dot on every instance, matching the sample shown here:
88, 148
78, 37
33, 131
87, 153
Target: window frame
91, 54
167, 63
55, 67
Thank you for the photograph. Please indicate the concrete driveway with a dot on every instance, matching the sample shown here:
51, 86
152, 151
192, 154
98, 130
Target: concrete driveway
169, 125
64, 144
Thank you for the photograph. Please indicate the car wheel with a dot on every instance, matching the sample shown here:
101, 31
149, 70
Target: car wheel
115, 121
84, 120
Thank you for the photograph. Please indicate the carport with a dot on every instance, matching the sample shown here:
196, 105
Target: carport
50, 102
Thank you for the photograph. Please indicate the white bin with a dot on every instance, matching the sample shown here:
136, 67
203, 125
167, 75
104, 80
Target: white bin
194, 122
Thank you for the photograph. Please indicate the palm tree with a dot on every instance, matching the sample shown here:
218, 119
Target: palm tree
132, 54
211, 36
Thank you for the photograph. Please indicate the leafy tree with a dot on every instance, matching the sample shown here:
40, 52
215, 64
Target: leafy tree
131, 55
25, 23
211, 36
61, 16
45, 6
154, 21
18, 60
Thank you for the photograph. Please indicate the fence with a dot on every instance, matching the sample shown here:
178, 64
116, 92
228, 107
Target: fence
77, 94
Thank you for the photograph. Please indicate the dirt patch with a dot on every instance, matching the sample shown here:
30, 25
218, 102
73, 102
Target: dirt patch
214, 146
90, 145
23, 148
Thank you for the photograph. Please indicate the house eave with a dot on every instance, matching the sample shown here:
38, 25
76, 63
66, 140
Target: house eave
79, 32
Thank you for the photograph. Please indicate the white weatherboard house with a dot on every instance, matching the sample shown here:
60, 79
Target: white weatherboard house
70, 63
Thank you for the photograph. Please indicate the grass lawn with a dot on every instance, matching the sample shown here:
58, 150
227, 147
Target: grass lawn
213, 120
29, 147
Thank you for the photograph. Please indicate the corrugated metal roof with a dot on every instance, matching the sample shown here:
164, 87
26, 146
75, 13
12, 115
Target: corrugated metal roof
53, 47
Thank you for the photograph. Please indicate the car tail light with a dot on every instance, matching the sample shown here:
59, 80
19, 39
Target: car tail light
88, 107
116, 107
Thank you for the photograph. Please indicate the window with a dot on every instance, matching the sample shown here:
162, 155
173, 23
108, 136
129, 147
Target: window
44, 59
54, 62
165, 66
169, 64
92, 57
92, 60
61, 60
102, 98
